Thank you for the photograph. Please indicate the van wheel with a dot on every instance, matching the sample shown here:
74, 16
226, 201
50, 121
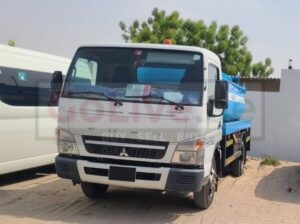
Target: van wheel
205, 196
238, 166
92, 190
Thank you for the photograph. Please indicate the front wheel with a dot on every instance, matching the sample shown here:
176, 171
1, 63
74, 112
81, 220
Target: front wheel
204, 198
92, 190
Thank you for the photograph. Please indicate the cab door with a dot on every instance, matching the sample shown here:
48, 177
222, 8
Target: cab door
214, 123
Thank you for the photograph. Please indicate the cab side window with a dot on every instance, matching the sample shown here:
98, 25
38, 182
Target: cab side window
86, 71
213, 73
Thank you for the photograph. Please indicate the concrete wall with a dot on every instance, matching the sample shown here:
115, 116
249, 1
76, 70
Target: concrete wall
276, 119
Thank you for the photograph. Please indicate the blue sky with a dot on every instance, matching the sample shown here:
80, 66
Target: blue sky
60, 26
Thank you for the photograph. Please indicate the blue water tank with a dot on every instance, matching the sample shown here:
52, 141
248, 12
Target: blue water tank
236, 100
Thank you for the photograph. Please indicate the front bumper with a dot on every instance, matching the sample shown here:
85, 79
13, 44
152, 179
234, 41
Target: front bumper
161, 178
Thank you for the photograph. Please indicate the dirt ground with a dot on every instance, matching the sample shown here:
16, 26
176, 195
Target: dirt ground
263, 195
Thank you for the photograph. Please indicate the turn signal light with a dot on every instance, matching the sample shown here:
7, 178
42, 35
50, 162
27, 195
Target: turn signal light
198, 144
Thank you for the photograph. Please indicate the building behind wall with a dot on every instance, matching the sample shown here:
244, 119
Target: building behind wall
273, 105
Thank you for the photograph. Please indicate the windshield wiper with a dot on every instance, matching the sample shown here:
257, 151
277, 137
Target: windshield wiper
178, 105
117, 102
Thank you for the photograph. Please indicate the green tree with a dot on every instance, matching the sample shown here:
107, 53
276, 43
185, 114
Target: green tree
11, 43
262, 69
229, 43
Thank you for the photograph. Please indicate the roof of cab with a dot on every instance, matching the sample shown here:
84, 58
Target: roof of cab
209, 53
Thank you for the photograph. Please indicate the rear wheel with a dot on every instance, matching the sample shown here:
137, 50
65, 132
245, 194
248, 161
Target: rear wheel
92, 190
204, 198
238, 166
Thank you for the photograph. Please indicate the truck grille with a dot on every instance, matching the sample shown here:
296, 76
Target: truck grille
123, 147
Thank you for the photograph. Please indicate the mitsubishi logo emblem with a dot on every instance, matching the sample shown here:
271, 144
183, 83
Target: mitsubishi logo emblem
124, 153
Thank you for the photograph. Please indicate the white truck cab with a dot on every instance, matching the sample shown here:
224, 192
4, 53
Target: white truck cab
142, 116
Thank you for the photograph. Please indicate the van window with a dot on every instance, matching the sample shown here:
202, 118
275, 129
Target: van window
24, 88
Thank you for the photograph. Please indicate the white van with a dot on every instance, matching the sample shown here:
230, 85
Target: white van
27, 122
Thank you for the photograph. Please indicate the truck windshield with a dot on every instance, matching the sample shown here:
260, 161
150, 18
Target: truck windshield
130, 75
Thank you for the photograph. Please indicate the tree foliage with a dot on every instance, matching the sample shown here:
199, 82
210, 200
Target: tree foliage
262, 69
11, 43
229, 43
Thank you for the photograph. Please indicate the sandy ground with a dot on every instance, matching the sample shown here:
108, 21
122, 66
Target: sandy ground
263, 195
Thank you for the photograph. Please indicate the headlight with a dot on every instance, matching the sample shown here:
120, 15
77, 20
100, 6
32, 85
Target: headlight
66, 142
184, 157
189, 152
63, 135
191, 145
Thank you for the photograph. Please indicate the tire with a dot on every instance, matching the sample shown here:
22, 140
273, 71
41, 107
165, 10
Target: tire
238, 166
92, 190
204, 198
245, 157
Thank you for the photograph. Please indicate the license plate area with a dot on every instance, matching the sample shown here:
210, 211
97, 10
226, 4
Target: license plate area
122, 173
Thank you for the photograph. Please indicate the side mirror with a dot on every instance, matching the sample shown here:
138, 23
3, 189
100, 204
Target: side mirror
221, 99
56, 86
57, 80
221, 94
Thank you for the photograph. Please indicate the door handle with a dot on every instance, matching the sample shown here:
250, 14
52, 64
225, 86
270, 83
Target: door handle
220, 124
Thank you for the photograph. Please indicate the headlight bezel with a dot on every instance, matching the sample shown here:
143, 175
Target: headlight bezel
64, 135
179, 157
193, 148
191, 145
66, 143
